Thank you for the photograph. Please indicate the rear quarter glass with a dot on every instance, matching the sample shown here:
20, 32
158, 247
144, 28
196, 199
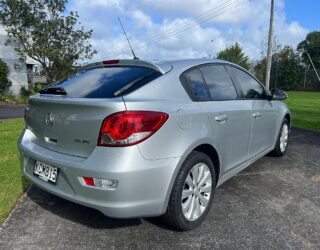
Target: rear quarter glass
107, 82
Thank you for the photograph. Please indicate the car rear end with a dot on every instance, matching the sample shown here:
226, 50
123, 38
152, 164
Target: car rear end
84, 142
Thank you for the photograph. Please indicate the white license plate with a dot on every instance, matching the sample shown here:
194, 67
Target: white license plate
46, 172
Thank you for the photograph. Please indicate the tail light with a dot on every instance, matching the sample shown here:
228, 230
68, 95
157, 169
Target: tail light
130, 127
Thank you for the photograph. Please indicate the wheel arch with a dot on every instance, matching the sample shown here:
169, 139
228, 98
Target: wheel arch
288, 117
210, 151
204, 147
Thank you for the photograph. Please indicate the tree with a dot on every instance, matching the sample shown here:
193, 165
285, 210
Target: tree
235, 54
286, 69
259, 69
4, 72
47, 34
311, 45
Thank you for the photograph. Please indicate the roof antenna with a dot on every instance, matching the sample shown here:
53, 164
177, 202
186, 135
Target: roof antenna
124, 32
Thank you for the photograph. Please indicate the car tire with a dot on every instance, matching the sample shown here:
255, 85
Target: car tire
282, 141
197, 163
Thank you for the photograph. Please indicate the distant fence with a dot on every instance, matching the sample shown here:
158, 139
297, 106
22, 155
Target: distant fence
304, 80
33, 79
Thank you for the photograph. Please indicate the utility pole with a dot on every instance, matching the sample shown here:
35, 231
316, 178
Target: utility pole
269, 52
275, 85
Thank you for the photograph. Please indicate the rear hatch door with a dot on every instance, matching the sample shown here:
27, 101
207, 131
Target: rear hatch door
69, 125
67, 116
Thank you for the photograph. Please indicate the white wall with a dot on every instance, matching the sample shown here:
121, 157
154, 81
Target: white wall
17, 68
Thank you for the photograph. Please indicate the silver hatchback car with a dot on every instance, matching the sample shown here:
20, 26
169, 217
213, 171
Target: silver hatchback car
133, 138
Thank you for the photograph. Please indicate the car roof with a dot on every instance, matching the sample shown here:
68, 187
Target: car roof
161, 66
183, 64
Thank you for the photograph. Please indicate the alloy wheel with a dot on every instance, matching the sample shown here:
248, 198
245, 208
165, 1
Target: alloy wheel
196, 191
284, 137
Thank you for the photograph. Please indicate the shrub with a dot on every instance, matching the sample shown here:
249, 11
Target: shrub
38, 86
8, 98
4, 72
24, 92
32, 89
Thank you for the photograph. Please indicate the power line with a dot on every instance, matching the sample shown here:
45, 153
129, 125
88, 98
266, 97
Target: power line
187, 22
201, 19
186, 28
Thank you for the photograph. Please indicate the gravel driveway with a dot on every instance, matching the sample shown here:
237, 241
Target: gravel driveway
275, 203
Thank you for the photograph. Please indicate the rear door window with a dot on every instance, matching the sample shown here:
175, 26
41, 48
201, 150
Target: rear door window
251, 88
219, 83
195, 85
105, 82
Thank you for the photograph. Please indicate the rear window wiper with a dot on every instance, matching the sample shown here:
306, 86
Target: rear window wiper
130, 84
53, 91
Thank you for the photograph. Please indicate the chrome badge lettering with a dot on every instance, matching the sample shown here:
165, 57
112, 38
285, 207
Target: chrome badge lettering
81, 141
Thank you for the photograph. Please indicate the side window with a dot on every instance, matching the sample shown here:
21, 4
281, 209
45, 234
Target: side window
251, 88
219, 82
196, 85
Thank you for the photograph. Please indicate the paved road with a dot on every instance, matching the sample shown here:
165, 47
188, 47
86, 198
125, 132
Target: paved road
275, 203
8, 112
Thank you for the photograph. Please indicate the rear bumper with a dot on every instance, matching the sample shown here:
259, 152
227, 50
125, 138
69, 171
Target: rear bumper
143, 185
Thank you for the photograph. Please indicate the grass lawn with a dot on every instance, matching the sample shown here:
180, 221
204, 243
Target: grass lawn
12, 185
305, 109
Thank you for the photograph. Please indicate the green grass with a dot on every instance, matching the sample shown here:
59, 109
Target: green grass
12, 184
305, 109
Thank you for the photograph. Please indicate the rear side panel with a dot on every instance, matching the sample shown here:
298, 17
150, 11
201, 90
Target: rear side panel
76, 122
166, 94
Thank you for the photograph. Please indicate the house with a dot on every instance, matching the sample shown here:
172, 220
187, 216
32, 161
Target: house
35, 73
17, 68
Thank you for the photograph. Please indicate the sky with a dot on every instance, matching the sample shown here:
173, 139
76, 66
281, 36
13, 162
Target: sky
174, 29
306, 12
170, 29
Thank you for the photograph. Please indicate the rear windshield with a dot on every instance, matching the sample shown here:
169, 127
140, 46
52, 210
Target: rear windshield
105, 82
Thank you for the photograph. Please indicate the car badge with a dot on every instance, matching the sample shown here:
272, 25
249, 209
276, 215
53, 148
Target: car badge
49, 119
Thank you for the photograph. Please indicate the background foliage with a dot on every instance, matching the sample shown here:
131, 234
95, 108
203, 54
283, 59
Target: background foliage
235, 54
47, 34
291, 68
4, 72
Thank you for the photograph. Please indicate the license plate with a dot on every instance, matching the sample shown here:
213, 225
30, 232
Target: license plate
46, 172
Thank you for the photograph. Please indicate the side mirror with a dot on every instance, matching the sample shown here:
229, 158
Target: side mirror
278, 94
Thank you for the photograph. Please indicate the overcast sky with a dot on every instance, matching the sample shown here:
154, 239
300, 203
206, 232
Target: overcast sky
192, 28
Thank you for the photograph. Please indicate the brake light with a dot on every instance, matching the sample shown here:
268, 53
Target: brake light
110, 62
130, 127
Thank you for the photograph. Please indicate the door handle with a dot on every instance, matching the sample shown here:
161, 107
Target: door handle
221, 118
256, 115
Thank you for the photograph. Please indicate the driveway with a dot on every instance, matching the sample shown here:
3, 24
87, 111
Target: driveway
11, 111
275, 203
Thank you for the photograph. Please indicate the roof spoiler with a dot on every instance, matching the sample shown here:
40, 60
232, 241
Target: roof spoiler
162, 67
